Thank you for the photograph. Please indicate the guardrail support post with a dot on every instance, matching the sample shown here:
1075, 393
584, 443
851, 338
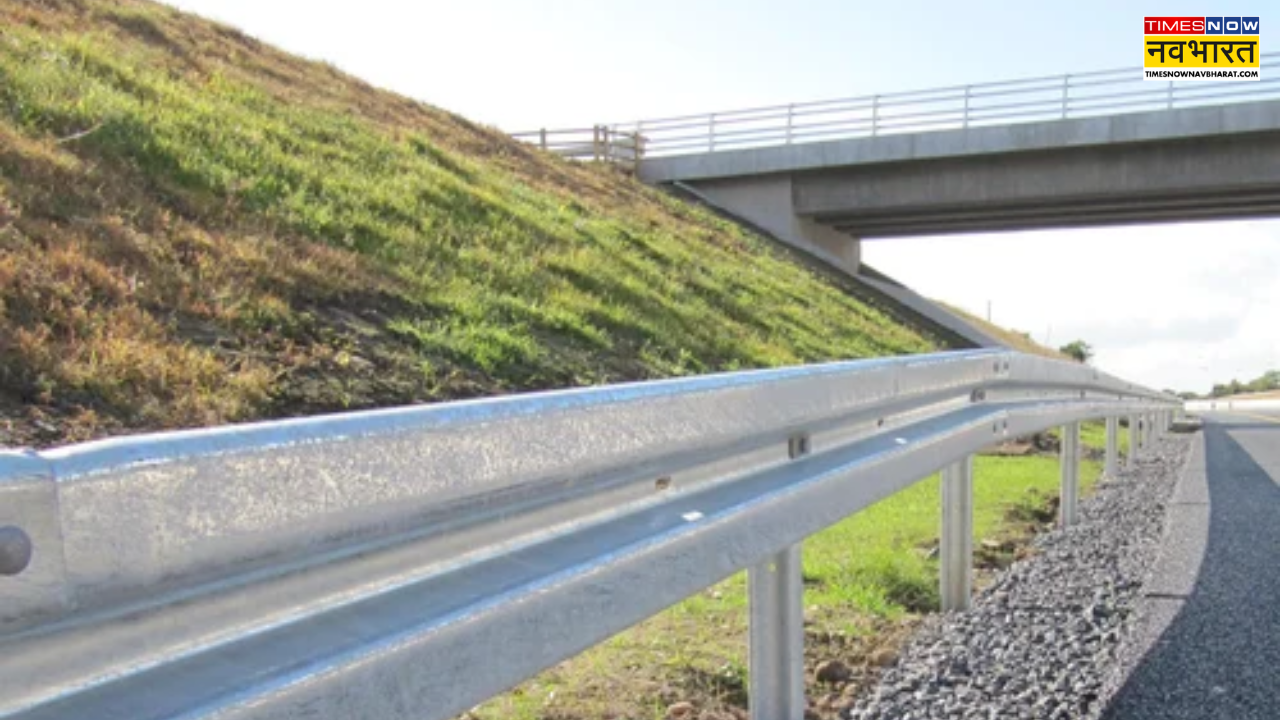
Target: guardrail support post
542, 138
776, 596
1070, 491
1066, 92
637, 149
1135, 441
1112, 467
955, 547
967, 91
875, 115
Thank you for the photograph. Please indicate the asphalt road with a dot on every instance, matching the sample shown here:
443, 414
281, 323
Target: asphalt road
1207, 635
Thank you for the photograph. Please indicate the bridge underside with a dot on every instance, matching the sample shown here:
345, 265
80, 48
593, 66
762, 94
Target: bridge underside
1081, 212
1194, 179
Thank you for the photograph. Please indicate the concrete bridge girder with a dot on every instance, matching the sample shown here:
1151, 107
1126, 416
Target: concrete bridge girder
1198, 178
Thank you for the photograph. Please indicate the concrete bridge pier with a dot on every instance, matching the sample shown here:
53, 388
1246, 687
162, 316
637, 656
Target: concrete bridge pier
769, 203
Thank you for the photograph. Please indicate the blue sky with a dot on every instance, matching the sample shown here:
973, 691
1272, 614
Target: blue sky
520, 65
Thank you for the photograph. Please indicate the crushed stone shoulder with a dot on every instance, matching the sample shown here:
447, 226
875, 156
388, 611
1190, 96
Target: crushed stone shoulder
1042, 640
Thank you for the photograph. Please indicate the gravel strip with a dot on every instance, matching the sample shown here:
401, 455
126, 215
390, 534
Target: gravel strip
1041, 640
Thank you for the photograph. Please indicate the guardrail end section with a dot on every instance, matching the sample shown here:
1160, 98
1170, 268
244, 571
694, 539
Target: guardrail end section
32, 571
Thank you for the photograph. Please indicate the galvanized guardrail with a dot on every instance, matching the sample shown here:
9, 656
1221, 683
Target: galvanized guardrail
410, 563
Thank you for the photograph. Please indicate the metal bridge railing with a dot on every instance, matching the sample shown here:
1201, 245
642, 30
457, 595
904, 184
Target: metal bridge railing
413, 562
1058, 97
598, 144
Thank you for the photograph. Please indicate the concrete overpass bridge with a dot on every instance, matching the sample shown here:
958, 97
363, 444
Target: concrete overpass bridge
1074, 150
1071, 150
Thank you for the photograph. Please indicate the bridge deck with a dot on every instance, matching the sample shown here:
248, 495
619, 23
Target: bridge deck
1143, 127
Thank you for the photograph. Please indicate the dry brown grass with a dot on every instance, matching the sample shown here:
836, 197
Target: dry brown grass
1021, 342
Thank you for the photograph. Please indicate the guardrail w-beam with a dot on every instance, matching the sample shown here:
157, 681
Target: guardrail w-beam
413, 562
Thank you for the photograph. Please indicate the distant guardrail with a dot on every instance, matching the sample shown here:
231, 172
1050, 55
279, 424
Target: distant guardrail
1057, 97
412, 562
1228, 404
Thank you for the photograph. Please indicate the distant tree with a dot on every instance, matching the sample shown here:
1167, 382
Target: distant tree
1079, 350
1269, 380
1232, 388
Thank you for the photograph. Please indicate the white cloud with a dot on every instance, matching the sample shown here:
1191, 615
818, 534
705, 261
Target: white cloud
1177, 306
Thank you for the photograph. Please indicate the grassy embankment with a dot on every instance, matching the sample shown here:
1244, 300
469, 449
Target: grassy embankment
196, 228
1019, 341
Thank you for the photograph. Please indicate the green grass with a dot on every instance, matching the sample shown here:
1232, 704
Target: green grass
199, 228
1094, 435
1015, 339
866, 579
874, 561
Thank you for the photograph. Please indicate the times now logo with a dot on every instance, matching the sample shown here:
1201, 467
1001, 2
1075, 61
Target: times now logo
1200, 25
